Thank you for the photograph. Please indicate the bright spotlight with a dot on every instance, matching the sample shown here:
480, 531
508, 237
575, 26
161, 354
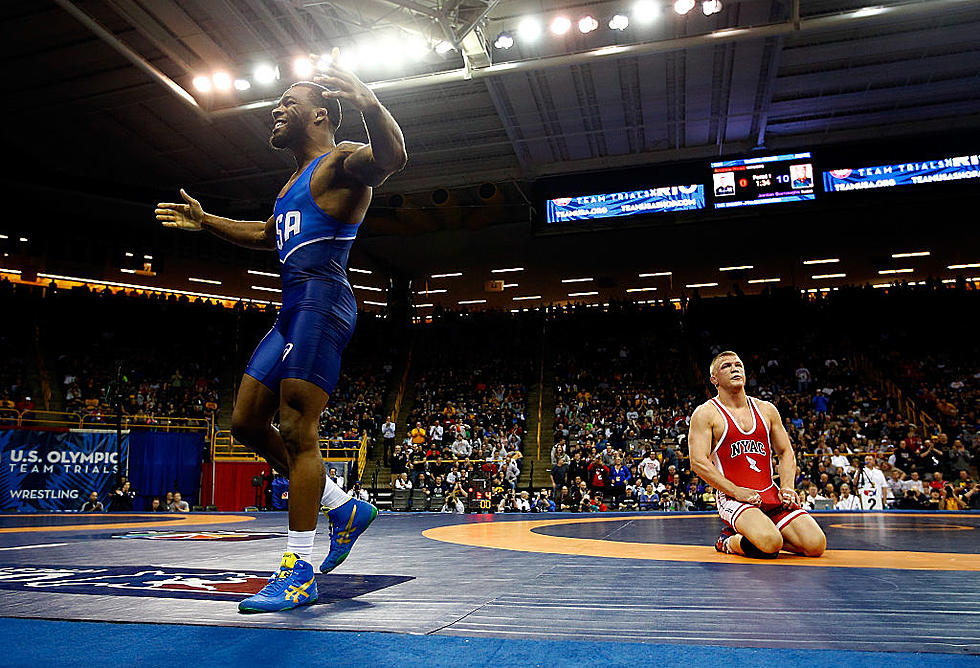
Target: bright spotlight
529, 29
367, 55
221, 80
442, 48
710, 7
390, 52
323, 62
619, 22
504, 41
265, 74
587, 24
646, 11
203, 84
303, 68
416, 48
242, 84
560, 25
682, 7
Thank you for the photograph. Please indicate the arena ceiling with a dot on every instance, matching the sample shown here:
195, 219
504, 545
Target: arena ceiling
110, 83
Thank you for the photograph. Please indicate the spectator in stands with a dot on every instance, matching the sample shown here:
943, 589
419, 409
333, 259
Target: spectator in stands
950, 500
93, 505
338, 479
649, 498
847, 501
418, 435
461, 448
168, 501
453, 504
403, 482
359, 492
619, 477
179, 505
896, 488
399, 464
598, 475
959, 458
564, 501
157, 506
915, 484
559, 474
122, 499
388, 438
649, 469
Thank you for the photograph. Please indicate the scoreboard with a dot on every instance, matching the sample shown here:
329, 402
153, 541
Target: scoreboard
479, 500
764, 180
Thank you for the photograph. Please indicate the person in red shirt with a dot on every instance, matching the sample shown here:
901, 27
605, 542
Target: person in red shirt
731, 441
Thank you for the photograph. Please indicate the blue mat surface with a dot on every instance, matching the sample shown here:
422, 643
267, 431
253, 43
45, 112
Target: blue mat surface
102, 644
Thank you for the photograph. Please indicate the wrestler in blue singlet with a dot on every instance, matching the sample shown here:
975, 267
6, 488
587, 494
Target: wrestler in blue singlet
318, 311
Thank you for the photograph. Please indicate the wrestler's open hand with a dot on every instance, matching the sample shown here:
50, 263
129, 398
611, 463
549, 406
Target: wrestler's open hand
749, 496
789, 497
188, 216
344, 85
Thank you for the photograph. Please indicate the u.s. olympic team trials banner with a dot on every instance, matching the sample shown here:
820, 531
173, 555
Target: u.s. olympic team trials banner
45, 471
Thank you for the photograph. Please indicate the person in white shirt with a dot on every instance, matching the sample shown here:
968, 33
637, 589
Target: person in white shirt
846, 500
813, 495
650, 469
388, 434
840, 462
914, 483
871, 485
461, 448
524, 503
402, 482
435, 434
453, 505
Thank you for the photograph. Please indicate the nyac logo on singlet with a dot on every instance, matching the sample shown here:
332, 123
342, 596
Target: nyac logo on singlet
747, 447
287, 225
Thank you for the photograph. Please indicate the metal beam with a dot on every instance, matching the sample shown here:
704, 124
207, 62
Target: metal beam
831, 21
106, 36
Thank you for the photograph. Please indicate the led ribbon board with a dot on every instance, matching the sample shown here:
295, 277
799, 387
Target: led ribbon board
904, 174
615, 205
778, 178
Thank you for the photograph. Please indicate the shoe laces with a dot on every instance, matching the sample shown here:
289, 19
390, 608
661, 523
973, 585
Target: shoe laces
278, 581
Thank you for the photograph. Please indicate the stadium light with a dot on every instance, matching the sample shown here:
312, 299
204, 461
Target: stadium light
242, 84
367, 287
656, 273
510, 285
202, 84
829, 260
821, 276
642, 289
560, 25
915, 254
737, 268
972, 265
504, 41
619, 22
710, 7
359, 271
701, 285
883, 272
450, 275
203, 280
442, 48
256, 272
265, 74
577, 280
416, 48
529, 29
646, 11
583, 294
221, 80
507, 270
682, 7
472, 301
764, 280
587, 24
518, 299
303, 67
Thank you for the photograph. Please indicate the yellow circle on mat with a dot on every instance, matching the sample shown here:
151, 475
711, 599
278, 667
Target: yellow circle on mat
519, 536
172, 521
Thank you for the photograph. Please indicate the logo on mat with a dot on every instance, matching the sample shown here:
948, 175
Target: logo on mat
227, 536
160, 582
135, 581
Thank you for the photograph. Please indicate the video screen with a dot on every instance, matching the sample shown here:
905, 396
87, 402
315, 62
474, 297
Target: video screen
778, 178
630, 203
902, 174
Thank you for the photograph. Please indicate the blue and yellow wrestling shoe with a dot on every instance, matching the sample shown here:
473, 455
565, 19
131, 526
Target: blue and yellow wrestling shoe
294, 585
347, 522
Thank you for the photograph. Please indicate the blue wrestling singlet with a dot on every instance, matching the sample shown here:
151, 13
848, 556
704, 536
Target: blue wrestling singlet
318, 310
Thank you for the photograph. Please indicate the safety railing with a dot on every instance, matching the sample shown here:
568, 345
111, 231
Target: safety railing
224, 447
34, 418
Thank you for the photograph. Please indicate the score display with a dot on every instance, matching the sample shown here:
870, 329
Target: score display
630, 203
751, 181
903, 174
